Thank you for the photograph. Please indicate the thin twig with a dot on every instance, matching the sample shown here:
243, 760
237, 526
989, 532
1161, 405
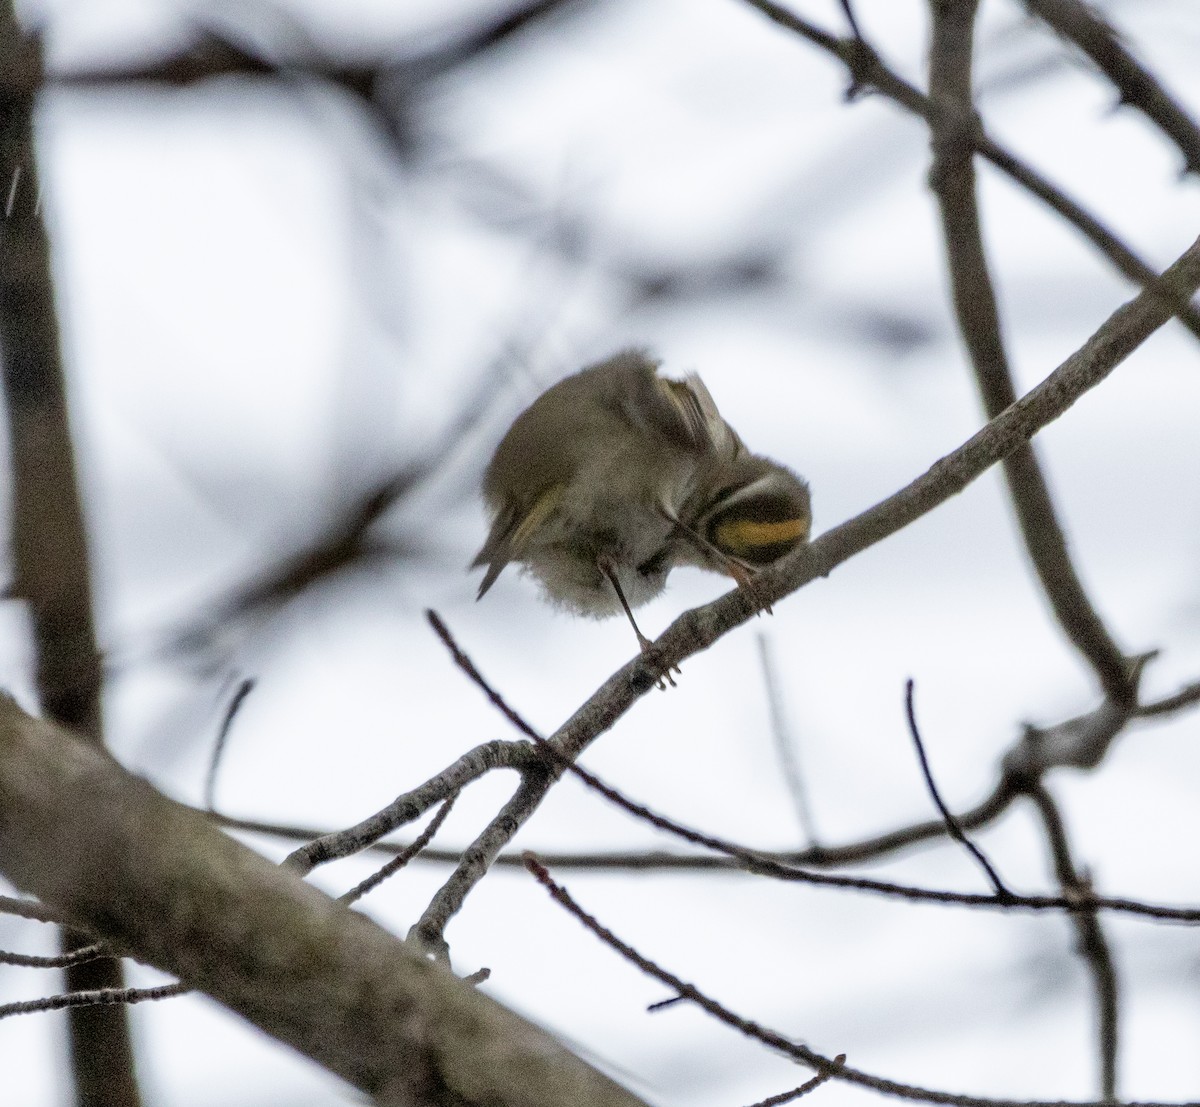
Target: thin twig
58, 961
851, 21
243, 689
476, 861
952, 828
468, 667
683, 989
1092, 944
403, 857
1187, 696
96, 997
868, 70
798, 1093
785, 746
412, 805
1079, 23
773, 1038
27, 909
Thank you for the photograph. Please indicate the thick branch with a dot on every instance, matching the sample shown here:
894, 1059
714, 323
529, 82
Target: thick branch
158, 881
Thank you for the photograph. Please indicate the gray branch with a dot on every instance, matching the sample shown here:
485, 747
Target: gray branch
699, 628
869, 72
159, 882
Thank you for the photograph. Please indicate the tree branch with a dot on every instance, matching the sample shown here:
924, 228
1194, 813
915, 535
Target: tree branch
1092, 944
772, 1038
1078, 24
49, 541
868, 71
699, 628
157, 881
952, 179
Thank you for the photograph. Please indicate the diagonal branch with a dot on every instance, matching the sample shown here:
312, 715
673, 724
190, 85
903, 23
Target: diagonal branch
868, 71
1076, 22
158, 881
699, 628
835, 1067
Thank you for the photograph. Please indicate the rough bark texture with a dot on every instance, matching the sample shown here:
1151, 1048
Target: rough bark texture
161, 883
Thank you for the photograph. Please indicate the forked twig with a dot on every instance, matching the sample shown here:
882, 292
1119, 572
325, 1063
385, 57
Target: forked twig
868, 70
402, 858
774, 1039
764, 865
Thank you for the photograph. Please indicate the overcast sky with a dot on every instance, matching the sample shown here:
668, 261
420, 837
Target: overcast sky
273, 297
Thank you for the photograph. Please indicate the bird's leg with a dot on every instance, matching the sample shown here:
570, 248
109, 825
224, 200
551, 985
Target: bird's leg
606, 566
741, 572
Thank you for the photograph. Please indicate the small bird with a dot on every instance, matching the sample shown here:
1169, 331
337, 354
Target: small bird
615, 475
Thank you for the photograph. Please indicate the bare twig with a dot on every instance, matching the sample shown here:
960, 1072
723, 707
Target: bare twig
684, 990
476, 860
1080, 24
96, 997
774, 1039
403, 857
1187, 696
244, 688
785, 746
1092, 944
412, 805
868, 70
27, 909
953, 829
800, 1092
58, 961
468, 667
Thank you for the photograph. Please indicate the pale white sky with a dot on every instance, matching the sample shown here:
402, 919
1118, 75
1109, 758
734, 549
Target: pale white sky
264, 309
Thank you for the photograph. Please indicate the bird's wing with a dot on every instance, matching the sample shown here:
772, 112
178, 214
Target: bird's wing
510, 531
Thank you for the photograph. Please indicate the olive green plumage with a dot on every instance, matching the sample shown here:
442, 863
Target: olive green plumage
615, 475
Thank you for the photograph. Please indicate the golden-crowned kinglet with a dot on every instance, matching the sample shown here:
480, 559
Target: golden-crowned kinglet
615, 475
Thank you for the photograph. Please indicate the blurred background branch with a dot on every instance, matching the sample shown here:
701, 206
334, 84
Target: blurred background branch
50, 557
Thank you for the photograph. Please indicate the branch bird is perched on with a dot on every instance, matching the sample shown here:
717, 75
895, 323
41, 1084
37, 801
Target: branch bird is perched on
615, 475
